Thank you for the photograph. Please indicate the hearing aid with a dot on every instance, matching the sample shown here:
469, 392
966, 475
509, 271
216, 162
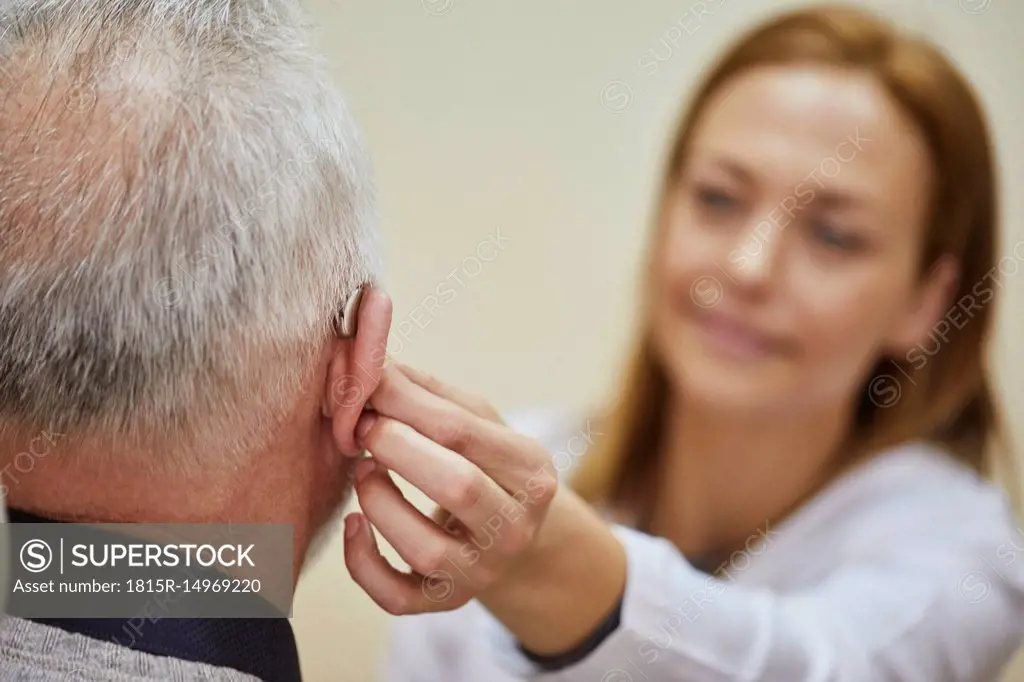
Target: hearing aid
346, 320
348, 316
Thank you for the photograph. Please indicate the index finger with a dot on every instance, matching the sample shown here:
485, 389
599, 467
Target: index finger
471, 402
508, 457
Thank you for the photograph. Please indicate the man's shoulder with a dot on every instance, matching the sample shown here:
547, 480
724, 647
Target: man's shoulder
35, 652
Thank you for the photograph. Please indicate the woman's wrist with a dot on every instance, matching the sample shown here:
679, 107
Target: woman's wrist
564, 589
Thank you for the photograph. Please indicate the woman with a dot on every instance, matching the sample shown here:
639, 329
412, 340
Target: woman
796, 465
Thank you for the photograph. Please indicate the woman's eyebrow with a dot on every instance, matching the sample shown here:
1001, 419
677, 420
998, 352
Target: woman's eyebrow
830, 198
719, 161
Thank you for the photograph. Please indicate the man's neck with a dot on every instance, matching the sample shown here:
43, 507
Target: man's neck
64, 488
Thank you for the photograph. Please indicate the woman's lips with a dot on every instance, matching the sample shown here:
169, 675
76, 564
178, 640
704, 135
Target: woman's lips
730, 337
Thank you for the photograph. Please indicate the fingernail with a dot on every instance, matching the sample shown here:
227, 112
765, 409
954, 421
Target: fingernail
363, 426
351, 525
363, 468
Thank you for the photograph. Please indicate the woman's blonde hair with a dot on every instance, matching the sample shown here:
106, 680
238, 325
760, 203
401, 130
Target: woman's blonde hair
949, 399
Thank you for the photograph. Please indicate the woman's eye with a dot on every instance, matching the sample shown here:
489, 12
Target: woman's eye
715, 199
832, 237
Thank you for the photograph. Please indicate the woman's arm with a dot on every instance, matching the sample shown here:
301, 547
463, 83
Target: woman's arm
915, 613
567, 585
550, 571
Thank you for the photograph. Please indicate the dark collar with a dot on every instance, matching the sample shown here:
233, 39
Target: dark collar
262, 647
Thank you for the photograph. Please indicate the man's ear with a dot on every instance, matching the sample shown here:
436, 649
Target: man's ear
356, 368
929, 305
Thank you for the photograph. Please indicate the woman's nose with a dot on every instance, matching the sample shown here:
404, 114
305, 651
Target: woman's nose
754, 256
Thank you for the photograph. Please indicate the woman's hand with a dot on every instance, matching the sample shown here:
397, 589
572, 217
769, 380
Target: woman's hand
540, 559
493, 487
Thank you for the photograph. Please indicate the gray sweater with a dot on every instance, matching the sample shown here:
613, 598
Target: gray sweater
30, 652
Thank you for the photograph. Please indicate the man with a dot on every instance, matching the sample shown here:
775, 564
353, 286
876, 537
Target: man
184, 206
185, 209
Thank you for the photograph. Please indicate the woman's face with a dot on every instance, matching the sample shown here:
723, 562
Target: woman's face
789, 257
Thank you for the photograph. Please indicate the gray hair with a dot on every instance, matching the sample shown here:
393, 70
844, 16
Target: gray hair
184, 202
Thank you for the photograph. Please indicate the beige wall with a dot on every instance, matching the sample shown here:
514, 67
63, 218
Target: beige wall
544, 122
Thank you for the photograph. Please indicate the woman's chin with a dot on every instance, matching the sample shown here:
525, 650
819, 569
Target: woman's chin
726, 378
730, 387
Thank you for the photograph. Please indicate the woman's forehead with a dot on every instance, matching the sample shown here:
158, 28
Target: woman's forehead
817, 104
837, 129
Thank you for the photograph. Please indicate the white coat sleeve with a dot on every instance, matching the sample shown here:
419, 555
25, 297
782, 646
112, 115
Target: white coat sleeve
423, 648
916, 612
